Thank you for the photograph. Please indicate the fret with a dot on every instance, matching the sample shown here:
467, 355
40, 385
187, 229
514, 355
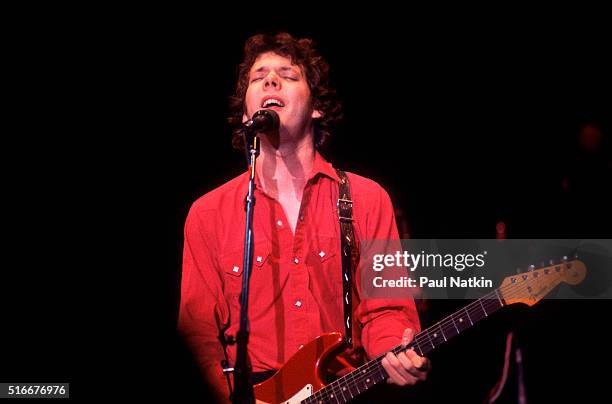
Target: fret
429, 337
380, 374
335, 392
492, 303
468, 315
333, 396
367, 382
455, 324
449, 328
350, 392
478, 312
501, 304
426, 349
357, 387
355, 383
442, 331
342, 389
435, 337
416, 345
483, 309
375, 375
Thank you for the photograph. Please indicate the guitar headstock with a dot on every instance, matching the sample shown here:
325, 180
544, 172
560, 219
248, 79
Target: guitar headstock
530, 287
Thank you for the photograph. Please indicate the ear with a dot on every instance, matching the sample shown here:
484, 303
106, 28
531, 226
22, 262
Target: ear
316, 114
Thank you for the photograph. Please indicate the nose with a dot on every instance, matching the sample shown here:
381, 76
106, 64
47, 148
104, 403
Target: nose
271, 81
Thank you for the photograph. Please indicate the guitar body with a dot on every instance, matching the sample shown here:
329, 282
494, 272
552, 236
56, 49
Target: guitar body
303, 374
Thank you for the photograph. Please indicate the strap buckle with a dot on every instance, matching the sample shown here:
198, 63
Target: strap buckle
344, 211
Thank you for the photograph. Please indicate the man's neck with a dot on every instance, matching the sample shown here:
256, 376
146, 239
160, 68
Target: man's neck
285, 170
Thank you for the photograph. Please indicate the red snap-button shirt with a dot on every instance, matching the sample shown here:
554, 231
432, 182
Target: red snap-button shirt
296, 288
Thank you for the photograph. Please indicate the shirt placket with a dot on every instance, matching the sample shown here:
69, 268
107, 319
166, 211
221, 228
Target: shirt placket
299, 277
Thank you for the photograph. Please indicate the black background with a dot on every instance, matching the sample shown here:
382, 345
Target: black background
116, 124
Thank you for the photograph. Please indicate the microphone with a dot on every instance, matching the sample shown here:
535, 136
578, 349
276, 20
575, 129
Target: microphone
264, 120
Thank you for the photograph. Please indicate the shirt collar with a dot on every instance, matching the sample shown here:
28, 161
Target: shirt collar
319, 166
322, 166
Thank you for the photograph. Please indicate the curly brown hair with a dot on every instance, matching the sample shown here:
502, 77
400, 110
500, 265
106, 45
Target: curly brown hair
302, 53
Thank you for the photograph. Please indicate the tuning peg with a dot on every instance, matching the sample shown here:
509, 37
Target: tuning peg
531, 268
518, 270
551, 262
564, 259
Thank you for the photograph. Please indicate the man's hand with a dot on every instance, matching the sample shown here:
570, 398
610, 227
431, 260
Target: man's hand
408, 367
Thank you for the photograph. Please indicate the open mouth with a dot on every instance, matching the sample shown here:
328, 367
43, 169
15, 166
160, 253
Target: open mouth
272, 102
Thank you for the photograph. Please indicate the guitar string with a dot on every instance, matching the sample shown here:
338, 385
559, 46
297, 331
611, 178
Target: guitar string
472, 308
491, 302
357, 375
375, 364
511, 288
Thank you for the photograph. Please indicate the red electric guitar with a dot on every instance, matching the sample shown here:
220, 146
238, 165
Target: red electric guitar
300, 380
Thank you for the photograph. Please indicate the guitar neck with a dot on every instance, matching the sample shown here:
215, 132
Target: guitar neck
353, 384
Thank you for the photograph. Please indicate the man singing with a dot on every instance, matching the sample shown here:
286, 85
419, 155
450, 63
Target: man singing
296, 282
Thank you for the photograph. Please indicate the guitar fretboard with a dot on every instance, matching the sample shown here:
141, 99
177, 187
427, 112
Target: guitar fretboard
353, 384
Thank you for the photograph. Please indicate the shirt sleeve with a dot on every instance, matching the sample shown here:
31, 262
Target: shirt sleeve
203, 311
383, 320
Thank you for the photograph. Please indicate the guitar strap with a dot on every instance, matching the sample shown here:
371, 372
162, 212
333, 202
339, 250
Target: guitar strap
348, 251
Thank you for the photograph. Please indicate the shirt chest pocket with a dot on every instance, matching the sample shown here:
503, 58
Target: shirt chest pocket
232, 267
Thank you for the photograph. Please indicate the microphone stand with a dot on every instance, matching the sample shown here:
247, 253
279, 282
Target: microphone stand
243, 390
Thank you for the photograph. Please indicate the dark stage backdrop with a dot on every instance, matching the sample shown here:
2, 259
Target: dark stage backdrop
120, 126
